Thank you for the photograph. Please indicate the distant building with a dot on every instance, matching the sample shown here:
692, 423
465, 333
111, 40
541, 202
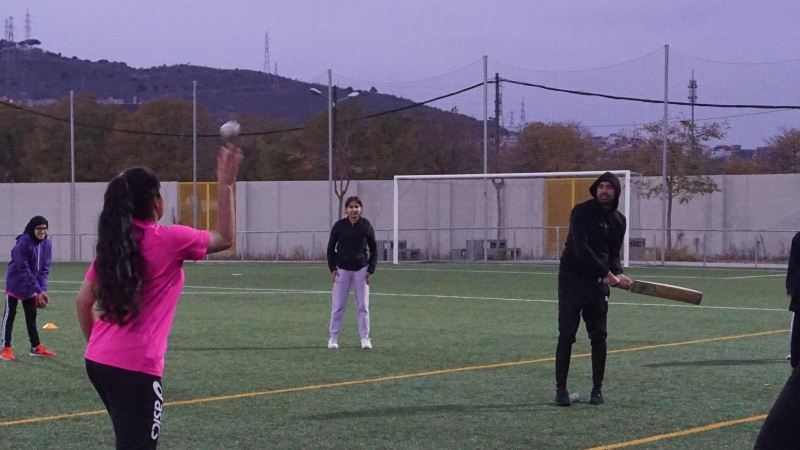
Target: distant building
721, 152
743, 153
40, 102
600, 142
111, 101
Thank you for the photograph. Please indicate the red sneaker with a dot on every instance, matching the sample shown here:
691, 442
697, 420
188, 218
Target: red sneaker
7, 354
41, 351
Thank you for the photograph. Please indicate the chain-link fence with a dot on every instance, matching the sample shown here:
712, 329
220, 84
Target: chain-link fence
677, 121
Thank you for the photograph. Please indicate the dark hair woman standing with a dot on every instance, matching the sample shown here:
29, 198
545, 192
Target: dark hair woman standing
351, 266
135, 280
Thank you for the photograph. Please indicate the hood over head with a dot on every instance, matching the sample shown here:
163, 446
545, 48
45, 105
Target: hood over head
610, 177
31, 226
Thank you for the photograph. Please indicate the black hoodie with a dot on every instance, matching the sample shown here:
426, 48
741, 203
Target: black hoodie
595, 235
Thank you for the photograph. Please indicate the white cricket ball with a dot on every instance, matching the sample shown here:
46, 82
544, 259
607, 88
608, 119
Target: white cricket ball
230, 129
575, 397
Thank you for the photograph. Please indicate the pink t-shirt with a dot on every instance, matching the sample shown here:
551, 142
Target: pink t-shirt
140, 345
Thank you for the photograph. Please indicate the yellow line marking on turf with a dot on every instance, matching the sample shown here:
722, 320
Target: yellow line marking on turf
397, 377
753, 276
48, 418
658, 437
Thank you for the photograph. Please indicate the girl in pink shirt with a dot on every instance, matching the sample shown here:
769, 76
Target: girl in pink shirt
135, 281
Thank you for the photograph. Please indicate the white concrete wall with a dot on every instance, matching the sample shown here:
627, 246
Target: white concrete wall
752, 208
290, 219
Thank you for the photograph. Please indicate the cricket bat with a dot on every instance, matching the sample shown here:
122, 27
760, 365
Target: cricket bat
667, 291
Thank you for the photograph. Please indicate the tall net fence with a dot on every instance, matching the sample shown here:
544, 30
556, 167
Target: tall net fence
310, 144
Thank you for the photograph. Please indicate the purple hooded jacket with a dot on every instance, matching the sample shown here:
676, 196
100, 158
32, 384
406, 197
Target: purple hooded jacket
29, 267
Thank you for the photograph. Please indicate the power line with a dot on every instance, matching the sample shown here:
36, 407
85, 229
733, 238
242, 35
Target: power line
256, 133
645, 100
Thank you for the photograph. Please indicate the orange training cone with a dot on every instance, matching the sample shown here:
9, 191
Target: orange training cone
49, 326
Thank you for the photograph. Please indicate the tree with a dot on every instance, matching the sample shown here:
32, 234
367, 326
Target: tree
556, 147
497, 166
687, 166
445, 143
15, 127
741, 166
348, 134
274, 156
46, 151
93, 161
171, 156
784, 152
388, 147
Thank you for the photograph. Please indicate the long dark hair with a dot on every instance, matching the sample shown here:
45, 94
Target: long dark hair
118, 264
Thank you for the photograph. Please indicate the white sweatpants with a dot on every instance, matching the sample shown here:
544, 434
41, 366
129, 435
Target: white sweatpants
341, 292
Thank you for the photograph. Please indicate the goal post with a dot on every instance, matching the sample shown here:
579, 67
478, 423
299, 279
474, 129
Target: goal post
625, 178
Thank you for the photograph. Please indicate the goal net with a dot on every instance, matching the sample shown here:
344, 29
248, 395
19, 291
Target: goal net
491, 217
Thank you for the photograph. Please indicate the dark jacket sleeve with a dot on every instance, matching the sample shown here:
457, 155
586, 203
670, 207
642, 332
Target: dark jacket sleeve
44, 272
22, 255
373, 249
578, 229
794, 265
332, 247
613, 257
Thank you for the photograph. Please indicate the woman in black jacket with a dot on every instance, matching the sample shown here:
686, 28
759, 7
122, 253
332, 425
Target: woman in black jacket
350, 265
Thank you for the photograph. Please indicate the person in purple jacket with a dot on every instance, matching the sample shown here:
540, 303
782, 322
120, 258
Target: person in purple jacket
26, 282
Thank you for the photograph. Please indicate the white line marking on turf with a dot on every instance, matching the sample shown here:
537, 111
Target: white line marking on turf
753, 276
683, 277
460, 297
250, 291
513, 272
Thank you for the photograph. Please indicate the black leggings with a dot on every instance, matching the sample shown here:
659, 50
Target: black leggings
10, 312
794, 340
581, 298
780, 430
135, 402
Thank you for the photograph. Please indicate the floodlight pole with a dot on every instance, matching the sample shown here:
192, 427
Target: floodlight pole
626, 242
330, 147
485, 157
72, 174
395, 223
664, 136
194, 154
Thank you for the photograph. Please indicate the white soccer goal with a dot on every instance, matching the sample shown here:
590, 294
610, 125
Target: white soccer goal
490, 217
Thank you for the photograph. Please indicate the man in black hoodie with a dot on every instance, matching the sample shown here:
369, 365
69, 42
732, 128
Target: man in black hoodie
589, 265
792, 278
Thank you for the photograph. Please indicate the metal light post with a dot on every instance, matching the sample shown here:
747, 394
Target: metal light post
194, 154
665, 126
72, 175
331, 121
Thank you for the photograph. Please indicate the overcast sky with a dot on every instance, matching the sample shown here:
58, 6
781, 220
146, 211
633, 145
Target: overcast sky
386, 40
393, 41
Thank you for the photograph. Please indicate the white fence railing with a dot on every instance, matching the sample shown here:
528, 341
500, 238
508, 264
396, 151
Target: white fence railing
530, 244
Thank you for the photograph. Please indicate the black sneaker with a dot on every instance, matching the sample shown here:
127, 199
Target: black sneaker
597, 396
562, 397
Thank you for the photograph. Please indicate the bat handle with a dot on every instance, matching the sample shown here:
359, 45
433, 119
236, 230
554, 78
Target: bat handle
600, 280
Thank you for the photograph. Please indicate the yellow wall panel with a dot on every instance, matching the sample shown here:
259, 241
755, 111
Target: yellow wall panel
561, 194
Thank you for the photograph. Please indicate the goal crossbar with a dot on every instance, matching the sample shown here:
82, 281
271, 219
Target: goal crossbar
625, 174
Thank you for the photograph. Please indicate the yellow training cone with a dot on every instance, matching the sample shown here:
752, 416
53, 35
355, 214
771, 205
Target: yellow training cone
49, 326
